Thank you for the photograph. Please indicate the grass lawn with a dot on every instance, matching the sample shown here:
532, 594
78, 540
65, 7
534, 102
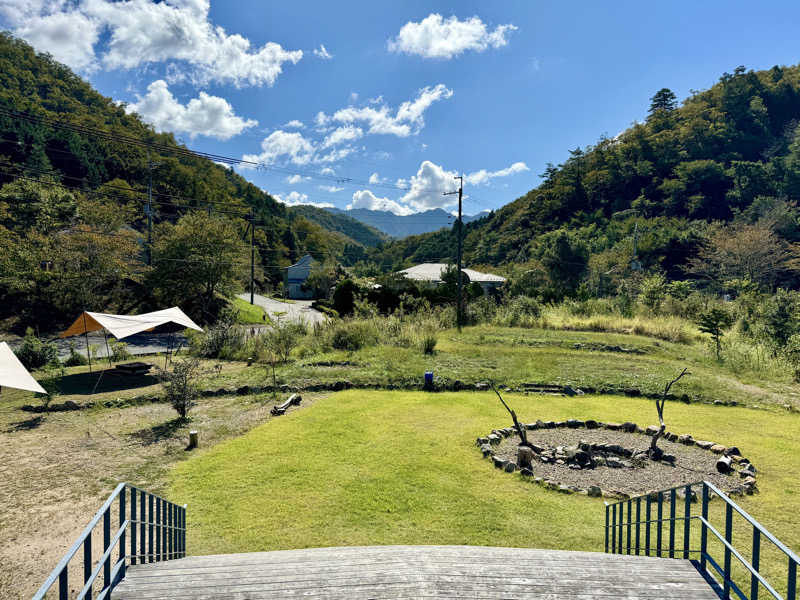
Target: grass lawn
249, 314
364, 467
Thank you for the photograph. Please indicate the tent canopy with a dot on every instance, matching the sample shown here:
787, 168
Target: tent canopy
13, 374
121, 326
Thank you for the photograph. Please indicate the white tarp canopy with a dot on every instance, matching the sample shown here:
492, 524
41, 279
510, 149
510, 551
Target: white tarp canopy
121, 326
13, 374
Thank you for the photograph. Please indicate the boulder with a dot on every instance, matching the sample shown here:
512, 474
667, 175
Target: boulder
243, 391
686, 439
561, 424
550, 424
732, 451
525, 472
629, 427
499, 463
574, 423
493, 438
652, 430
481, 386
672, 437
525, 457
509, 467
718, 448
614, 426
481, 441
748, 470
669, 458
614, 463
486, 450
594, 491
591, 424
704, 444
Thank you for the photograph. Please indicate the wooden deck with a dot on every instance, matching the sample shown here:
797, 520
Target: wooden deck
415, 572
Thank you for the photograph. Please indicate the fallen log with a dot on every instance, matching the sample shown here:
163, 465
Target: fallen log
724, 465
294, 400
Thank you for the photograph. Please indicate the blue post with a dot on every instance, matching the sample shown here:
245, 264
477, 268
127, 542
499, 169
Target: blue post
87, 563
158, 529
142, 529
791, 586
133, 526
122, 514
628, 549
607, 507
621, 525
63, 585
647, 502
660, 516
703, 530
638, 522
106, 544
672, 500
726, 585
614, 528
687, 515
755, 561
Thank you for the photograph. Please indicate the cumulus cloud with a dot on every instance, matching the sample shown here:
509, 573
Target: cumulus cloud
436, 37
294, 124
282, 144
295, 179
379, 118
141, 32
341, 135
322, 52
330, 188
205, 115
484, 176
375, 178
366, 199
296, 199
327, 171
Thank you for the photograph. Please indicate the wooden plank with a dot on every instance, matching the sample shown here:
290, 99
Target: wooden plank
414, 572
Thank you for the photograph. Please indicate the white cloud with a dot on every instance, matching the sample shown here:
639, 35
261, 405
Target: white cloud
140, 32
327, 171
435, 37
294, 124
322, 52
279, 143
341, 135
295, 179
353, 97
427, 187
295, 199
366, 199
483, 176
375, 178
330, 188
205, 115
407, 120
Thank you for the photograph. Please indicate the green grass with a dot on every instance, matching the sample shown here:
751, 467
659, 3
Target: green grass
249, 314
360, 468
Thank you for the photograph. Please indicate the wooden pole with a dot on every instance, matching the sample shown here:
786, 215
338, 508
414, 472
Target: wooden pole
86, 337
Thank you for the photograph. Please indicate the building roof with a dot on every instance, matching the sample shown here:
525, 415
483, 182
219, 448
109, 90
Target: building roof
433, 272
303, 262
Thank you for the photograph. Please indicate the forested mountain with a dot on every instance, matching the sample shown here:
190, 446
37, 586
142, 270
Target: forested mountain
74, 171
656, 197
400, 226
341, 222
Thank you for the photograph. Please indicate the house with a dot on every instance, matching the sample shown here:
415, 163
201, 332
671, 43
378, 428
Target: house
296, 277
432, 273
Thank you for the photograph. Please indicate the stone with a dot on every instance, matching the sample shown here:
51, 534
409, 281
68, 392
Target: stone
571, 391
669, 458
748, 471
538, 480
615, 449
458, 385
524, 457
594, 491
564, 489
509, 467
574, 423
718, 448
525, 472
486, 450
560, 461
600, 461
614, 426
243, 391
342, 385
493, 438
672, 437
724, 465
531, 426
686, 439
499, 463
537, 449
481, 386
749, 482
561, 424
629, 427
692, 495
652, 430
70, 405
704, 444
481, 441
592, 424
614, 463
732, 451
541, 424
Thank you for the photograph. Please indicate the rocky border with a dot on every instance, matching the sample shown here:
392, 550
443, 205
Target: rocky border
746, 470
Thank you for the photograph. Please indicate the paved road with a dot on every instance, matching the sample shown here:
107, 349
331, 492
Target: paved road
296, 310
141, 343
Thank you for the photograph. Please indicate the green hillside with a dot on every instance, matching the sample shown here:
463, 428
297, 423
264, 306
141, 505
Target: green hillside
729, 154
73, 190
358, 232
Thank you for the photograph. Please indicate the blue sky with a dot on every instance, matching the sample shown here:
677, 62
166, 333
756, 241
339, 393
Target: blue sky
380, 104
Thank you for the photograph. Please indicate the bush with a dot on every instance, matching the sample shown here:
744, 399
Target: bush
344, 296
75, 359
353, 335
180, 389
428, 343
119, 351
34, 353
223, 339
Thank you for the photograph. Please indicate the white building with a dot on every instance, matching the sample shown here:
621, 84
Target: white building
432, 273
296, 277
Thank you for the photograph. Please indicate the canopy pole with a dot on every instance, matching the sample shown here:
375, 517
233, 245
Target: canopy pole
108, 351
86, 336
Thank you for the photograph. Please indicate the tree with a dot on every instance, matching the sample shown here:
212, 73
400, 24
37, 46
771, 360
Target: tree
664, 99
179, 385
275, 345
713, 322
196, 260
656, 452
343, 297
566, 259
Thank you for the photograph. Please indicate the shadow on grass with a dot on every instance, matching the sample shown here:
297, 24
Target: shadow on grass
111, 381
159, 433
26, 425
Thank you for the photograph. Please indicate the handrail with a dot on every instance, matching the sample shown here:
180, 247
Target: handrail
617, 525
156, 519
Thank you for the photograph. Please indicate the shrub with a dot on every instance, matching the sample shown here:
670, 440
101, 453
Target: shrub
180, 389
119, 351
344, 296
75, 359
428, 343
223, 339
353, 335
34, 353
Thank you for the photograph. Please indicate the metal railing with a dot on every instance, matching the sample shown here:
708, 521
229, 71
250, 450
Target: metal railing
628, 520
157, 531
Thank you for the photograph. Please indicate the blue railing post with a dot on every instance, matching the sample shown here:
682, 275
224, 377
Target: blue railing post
164, 530
726, 587
122, 514
87, 564
703, 530
756, 559
647, 502
63, 584
150, 527
158, 530
638, 522
608, 508
134, 529
628, 541
142, 529
183, 531
614, 528
672, 501
659, 523
106, 544
791, 584
171, 531
687, 515
621, 527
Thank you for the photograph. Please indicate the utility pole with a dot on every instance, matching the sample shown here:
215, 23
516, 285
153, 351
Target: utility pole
460, 193
252, 254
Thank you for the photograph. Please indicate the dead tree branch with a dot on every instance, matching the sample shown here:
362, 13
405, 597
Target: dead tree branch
520, 430
655, 452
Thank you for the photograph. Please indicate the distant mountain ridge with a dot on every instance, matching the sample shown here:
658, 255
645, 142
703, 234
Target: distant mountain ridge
400, 226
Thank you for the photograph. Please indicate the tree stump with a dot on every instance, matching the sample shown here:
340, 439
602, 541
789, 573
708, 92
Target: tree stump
524, 457
724, 465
